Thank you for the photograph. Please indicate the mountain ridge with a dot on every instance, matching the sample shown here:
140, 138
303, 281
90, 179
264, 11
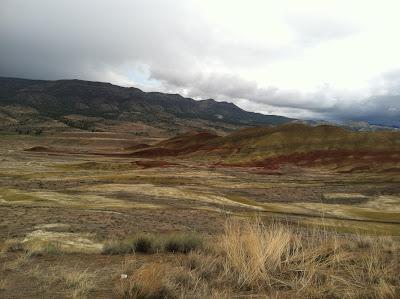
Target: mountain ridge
58, 99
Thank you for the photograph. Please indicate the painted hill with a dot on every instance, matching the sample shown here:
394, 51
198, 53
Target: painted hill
295, 144
179, 145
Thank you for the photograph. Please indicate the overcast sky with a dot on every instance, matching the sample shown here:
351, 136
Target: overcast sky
329, 59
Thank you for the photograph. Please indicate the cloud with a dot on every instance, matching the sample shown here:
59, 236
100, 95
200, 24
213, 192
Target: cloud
312, 59
315, 29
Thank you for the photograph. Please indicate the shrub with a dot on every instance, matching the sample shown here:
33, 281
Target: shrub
115, 247
144, 244
183, 243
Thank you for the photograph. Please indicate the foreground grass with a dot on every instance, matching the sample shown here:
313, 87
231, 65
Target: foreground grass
75, 282
3, 284
250, 258
276, 261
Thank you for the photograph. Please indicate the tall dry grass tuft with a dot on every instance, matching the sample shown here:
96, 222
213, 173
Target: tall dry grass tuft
252, 253
308, 263
149, 281
170, 280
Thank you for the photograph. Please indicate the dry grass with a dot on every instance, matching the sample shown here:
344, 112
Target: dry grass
146, 282
164, 280
79, 282
16, 264
11, 245
373, 276
279, 259
3, 284
273, 260
250, 258
42, 245
38, 247
115, 247
252, 253
33, 247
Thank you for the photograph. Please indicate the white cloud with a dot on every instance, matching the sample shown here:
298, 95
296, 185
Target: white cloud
311, 58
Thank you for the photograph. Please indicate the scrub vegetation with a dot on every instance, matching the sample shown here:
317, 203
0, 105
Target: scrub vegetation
248, 214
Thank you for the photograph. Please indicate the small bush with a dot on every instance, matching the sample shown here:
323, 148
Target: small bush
144, 244
183, 243
116, 247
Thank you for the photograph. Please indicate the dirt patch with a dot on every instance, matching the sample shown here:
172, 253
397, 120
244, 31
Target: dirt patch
39, 149
153, 163
362, 160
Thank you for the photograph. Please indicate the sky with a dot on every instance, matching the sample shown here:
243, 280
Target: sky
311, 59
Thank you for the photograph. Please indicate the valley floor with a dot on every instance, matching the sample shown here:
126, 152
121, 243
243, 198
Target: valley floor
61, 210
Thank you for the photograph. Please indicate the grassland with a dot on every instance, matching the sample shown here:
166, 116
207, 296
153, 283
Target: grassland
71, 222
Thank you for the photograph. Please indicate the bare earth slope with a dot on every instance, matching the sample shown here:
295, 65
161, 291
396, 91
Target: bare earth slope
295, 144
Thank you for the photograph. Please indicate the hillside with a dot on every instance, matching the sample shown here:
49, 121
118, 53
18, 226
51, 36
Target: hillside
59, 105
296, 144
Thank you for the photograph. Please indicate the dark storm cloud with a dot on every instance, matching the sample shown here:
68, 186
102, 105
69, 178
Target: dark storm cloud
171, 43
48, 38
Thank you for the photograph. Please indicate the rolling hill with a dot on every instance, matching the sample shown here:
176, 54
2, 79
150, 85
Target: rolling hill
294, 144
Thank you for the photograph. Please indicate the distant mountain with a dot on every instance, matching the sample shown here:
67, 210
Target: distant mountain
89, 105
360, 126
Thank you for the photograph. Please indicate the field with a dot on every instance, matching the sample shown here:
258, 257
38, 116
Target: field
77, 212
